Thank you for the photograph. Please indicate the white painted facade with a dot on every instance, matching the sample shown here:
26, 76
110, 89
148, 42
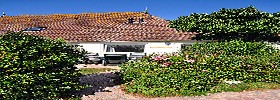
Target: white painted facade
149, 47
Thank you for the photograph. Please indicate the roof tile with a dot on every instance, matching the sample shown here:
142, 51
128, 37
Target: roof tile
96, 27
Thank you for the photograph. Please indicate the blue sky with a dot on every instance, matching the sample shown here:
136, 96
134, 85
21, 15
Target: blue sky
167, 9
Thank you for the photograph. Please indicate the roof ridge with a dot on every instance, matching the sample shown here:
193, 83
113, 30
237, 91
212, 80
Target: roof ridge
72, 14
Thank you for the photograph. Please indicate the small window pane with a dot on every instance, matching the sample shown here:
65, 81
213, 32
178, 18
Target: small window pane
35, 29
110, 48
126, 48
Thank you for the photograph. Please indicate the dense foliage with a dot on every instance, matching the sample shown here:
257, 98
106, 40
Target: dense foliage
199, 68
248, 24
34, 67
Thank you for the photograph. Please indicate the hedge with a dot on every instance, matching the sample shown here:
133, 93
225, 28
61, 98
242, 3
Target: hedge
34, 67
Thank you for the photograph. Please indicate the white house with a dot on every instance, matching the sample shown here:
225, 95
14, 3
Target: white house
128, 33
104, 33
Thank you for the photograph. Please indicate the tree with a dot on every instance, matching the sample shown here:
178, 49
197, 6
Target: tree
248, 24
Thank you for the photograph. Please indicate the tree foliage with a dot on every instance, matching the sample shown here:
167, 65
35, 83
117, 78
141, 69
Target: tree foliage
35, 67
248, 24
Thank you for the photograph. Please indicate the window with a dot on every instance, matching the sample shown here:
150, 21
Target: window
110, 48
125, 48
35, 29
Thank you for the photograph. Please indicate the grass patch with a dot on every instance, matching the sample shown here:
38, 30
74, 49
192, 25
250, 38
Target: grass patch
245, 87
94, 70
261, 86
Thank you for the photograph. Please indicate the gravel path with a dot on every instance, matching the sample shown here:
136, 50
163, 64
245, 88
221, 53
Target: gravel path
106, 87
115, 93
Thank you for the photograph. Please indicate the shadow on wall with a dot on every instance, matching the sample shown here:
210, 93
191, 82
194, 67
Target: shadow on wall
99, 82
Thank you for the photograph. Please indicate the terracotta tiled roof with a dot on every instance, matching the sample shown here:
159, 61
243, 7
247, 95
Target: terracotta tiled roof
96, 27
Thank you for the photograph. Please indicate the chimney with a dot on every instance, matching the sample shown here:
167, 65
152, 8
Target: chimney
141, 20
130, 20
3, 14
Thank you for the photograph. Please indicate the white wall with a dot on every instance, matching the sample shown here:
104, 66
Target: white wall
150, 47
162, 47
92, 47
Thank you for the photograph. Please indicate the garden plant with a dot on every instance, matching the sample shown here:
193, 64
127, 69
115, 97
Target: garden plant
34, 67
236, 60
202, 68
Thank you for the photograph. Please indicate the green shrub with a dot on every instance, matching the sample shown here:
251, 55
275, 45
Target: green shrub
34, 67
199, 68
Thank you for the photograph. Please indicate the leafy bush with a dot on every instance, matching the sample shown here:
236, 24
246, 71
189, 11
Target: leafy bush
248, 24
199, 68
34, 67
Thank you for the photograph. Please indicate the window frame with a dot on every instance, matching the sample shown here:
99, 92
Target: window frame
121, 44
